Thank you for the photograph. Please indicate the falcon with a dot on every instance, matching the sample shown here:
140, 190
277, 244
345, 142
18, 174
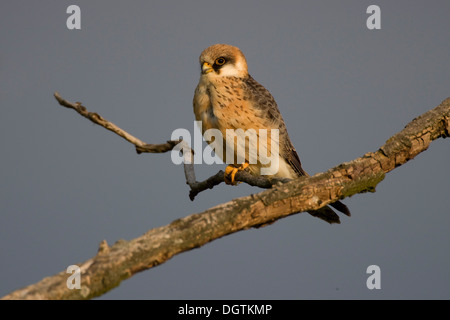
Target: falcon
228, 98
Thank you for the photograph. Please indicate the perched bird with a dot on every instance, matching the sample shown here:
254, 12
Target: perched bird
227, 97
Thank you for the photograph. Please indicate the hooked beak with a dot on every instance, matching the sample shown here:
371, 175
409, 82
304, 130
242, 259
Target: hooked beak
206, 68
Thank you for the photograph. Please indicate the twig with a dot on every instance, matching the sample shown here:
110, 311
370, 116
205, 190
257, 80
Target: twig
177, 145
97, 119
241, 176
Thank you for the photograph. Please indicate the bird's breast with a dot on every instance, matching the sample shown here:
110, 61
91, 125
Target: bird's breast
203, 107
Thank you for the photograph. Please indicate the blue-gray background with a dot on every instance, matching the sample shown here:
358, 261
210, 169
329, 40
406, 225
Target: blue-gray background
66, 184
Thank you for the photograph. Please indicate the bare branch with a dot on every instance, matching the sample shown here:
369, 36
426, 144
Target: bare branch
241, 176
157, 148
182, 146
113, 264
97, 119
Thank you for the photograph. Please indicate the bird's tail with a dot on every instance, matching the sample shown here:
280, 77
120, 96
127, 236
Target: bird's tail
327, 214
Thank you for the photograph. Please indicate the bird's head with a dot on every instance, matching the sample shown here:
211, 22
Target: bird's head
223, 60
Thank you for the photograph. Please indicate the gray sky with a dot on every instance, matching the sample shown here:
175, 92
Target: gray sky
66, 184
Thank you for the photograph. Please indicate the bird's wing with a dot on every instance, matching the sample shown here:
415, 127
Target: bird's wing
269, 112
263, 101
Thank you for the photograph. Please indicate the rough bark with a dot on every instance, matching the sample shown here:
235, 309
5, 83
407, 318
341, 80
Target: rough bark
113, 264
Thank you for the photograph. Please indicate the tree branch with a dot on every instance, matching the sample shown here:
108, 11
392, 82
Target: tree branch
141, 146
113, 264
182, 146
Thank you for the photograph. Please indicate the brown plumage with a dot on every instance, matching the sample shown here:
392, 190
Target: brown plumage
227, 97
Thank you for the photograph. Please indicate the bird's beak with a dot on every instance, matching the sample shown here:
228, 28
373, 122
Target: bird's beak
206, 68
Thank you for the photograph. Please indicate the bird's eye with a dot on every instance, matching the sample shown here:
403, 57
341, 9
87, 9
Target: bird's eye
220, 61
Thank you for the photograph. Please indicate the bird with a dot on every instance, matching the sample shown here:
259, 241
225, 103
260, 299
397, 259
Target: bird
228, 98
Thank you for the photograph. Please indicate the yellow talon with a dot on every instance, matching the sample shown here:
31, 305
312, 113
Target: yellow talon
231, 171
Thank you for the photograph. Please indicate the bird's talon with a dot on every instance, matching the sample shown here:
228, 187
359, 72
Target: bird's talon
230, 173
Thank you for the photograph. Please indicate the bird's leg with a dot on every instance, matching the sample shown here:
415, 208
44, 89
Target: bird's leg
231, 171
